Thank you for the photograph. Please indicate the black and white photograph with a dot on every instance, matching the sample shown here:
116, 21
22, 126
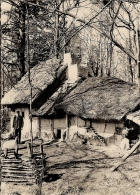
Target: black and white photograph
70, 97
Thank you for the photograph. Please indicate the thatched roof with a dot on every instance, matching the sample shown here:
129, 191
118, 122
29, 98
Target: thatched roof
135, 117
48, 107
101, 98
42, 76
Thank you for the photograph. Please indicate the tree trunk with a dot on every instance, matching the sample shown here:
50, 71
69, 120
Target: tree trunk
138, 55
129, 59
138, 64
22, 38
29, 76
56, 40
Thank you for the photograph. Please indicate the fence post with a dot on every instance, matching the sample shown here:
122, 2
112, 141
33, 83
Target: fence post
29, 149
43, 159
41, 150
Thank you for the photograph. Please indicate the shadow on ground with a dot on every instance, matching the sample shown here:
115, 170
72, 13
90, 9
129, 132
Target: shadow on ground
52, 177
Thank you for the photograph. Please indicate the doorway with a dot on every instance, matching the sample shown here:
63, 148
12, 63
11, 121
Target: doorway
58, 134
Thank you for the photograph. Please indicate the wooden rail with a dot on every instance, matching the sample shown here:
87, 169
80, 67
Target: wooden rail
125, 156
28, 169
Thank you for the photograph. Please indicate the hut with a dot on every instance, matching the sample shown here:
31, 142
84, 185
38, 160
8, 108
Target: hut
52, 121
46, 78
51, 81
61, 99
102, 103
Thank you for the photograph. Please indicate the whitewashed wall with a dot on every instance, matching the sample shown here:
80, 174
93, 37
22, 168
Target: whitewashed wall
102, 128
81, 123
106, 127
72, 121
25, 133
60, 123
45, 129
35, 126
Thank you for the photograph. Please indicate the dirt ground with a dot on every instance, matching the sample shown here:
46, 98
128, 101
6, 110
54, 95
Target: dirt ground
76, 169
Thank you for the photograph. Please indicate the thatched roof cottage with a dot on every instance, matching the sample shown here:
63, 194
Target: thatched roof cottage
42, 77
62, 99
102, 103
99, 98
51, 81
45, 78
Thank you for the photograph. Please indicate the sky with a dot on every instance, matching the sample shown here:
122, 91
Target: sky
4, 6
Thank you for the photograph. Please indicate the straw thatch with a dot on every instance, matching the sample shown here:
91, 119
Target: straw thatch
135, 117
42, 76
48, 107
102, 99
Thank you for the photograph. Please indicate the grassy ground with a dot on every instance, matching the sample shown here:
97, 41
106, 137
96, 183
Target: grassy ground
75, 169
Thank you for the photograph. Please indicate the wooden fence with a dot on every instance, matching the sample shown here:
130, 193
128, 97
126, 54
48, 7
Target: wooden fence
27, 169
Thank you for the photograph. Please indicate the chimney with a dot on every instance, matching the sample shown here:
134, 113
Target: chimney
72, 68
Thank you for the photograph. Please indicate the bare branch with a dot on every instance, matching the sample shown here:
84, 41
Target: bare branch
96, 28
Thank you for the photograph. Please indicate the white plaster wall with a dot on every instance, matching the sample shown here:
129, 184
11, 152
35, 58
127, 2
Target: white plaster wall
12, 114
26, 128
78, 124
77, 121
110, 127
67, 58
55, 132
60, 123
46, 132
72, 121
25, 133
74, 129
35, 126
81, 123
100, 127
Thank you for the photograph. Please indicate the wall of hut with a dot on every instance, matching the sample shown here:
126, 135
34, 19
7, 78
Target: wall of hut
59, 128
25, 134
60, 125
100, 127
48, 129
103, 128
109, 127
52, 128
45, 129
